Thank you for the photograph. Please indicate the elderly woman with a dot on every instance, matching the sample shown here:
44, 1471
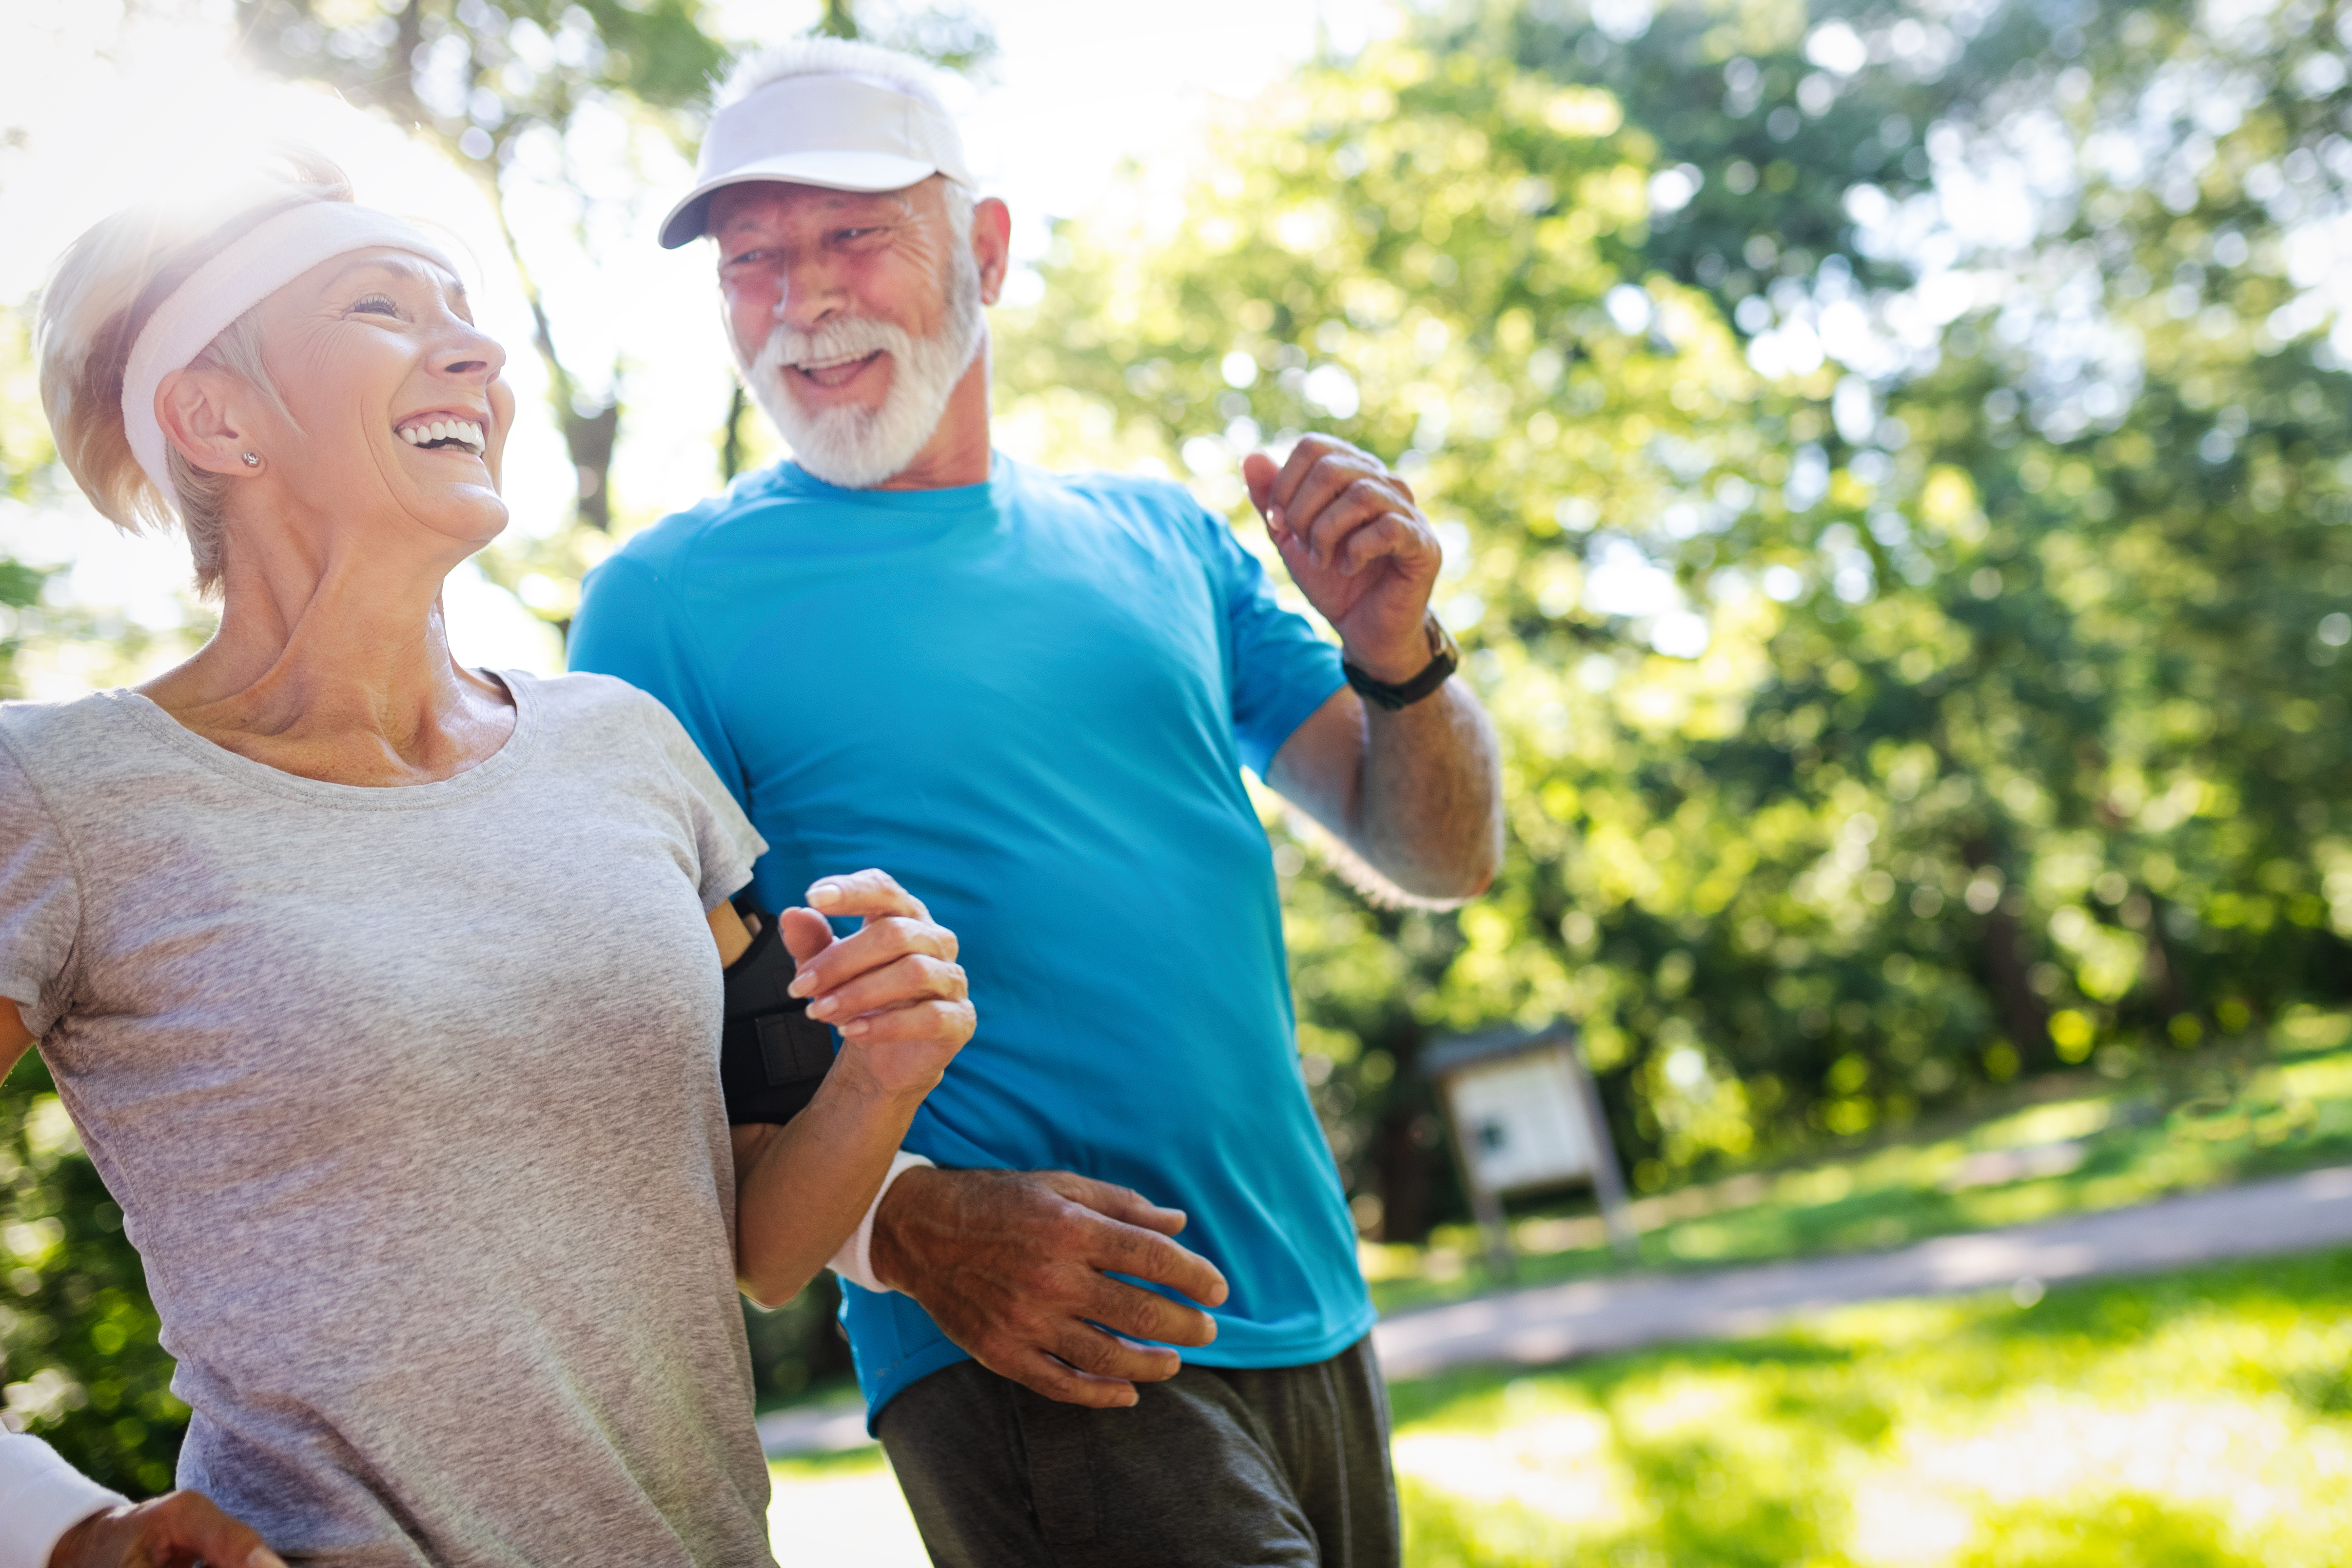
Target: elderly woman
386, 994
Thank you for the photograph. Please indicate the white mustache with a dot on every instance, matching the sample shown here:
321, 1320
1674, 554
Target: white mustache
844, 338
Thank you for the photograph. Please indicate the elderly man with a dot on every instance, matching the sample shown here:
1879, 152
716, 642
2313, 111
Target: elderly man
1056, 681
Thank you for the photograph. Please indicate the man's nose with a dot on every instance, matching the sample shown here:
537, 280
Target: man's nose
808, 294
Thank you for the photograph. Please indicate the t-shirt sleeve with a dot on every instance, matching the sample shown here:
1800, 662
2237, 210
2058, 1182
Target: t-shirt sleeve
629, 626
1281, 671
726, 844
40, 901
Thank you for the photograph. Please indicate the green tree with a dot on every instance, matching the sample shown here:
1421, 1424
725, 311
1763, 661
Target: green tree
2015, 740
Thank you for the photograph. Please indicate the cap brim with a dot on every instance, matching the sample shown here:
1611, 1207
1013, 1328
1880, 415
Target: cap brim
830, 170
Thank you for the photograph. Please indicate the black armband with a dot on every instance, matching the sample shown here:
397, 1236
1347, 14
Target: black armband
771, 1053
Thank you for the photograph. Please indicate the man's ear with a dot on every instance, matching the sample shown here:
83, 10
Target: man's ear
198, 408
991, 246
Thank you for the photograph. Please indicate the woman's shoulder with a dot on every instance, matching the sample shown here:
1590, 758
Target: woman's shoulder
579, 703
606, 727
95, 708
63, 762
582, 692
83, 736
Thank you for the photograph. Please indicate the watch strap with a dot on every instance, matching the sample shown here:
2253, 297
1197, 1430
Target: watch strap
1445, 659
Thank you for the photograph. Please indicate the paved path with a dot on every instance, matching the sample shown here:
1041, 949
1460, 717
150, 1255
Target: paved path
1551, 1323
1536, 1327
832, 1427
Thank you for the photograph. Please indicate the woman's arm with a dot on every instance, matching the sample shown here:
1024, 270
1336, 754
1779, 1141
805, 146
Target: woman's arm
897, 994
13, 1036
727, 930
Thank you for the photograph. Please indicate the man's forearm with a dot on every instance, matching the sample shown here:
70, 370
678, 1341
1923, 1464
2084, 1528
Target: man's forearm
1432, 798
1416, 793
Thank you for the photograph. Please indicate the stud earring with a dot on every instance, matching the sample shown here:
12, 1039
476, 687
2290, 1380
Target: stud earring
252, 459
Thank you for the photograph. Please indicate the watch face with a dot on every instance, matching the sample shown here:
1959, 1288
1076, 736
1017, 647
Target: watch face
1441, 641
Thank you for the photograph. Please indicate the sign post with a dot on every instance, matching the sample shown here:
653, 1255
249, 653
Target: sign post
1525, 1116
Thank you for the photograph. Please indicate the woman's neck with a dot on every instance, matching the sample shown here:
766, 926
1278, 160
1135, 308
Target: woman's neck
338, 668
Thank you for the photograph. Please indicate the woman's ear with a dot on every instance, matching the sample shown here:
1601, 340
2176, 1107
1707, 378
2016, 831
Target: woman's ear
198, 409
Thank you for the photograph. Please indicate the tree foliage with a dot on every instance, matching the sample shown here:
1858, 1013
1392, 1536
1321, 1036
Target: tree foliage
1884, 457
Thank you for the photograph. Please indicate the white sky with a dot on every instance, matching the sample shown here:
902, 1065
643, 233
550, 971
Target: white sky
112, 109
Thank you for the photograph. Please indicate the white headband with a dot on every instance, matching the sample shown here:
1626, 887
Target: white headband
240, 277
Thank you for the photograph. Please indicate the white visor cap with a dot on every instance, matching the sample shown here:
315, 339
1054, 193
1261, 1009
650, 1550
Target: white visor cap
843, 132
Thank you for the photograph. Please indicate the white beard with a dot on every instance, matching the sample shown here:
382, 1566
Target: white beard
858, 448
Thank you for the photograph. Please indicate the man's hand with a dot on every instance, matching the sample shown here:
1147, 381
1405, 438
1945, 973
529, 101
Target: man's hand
176, 1530
893, 989
1356, 546
1014, 1267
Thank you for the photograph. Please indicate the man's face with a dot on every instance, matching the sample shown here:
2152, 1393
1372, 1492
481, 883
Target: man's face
805, 258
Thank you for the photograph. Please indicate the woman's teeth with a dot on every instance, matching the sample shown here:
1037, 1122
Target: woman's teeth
456, 432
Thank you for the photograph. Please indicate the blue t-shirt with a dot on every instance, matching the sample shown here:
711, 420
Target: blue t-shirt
1031, 700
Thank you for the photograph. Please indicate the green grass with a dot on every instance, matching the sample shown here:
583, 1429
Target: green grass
2063, 1144
2195, 1420
820, 1466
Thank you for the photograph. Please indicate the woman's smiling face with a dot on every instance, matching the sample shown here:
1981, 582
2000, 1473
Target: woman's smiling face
399, 413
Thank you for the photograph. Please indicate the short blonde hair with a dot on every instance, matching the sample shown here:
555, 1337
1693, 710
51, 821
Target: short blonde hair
99, 295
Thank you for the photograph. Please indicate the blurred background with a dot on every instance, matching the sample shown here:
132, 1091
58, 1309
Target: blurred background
1891, 460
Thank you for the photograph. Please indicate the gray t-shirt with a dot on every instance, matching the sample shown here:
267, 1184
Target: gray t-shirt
410, 1098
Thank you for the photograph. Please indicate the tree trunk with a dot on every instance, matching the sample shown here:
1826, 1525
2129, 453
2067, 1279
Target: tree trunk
730, 448
1400, 1169
2158, 972
1402, 1148
2006, 973
2022, 1013
590, 430
589, 439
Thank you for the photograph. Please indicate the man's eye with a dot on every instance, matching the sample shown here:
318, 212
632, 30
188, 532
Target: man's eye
376, 305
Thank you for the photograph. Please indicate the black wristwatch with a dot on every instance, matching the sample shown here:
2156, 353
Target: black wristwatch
1445, 659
